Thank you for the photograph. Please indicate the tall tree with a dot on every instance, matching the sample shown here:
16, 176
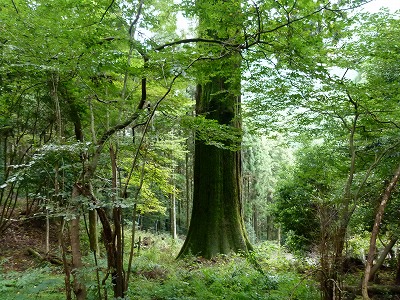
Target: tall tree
268, 31
216, 223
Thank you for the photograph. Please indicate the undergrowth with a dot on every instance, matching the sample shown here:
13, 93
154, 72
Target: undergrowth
39, 283
277, 276
157, 275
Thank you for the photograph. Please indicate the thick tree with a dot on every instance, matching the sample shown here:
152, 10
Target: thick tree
216, 224
258, 34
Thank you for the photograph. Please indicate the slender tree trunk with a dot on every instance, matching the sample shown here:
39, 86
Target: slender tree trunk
382, 257
93, 232
136, 198
3, 163
173, 214
92, 123
128, 273
255, 222
332, 282
55, 198
118, 272
375, 231
325, 277
47, 231
67, 269
77, 265
54, 95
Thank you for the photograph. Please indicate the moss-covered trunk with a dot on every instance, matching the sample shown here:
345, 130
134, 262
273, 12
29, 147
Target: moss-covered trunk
216, 224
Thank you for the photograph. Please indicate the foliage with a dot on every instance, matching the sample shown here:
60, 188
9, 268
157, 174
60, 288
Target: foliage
265, 163
38, 283
312, 183
73, 75
224, 277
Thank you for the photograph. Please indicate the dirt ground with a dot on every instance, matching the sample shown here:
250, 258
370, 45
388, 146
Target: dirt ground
22, 234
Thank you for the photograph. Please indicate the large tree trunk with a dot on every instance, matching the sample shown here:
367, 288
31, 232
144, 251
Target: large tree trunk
216, 224
188, 181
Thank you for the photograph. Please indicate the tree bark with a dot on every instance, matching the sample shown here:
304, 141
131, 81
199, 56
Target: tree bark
216, 224
77, 265
375, 231
382, 258
187, 190
118, 276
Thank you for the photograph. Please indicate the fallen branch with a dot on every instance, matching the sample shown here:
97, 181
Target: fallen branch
51, 259
374, 289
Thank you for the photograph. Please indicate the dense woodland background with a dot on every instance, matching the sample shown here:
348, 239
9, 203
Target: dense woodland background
257, 141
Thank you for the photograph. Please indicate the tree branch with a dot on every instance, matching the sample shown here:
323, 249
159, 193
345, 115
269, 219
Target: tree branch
149, 120
246, 45
131, 32
196, 40
15, 6
105, 12
349, 8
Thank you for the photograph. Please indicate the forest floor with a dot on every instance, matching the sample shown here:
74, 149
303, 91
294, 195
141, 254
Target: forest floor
158, 274
155, 271
23, 234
